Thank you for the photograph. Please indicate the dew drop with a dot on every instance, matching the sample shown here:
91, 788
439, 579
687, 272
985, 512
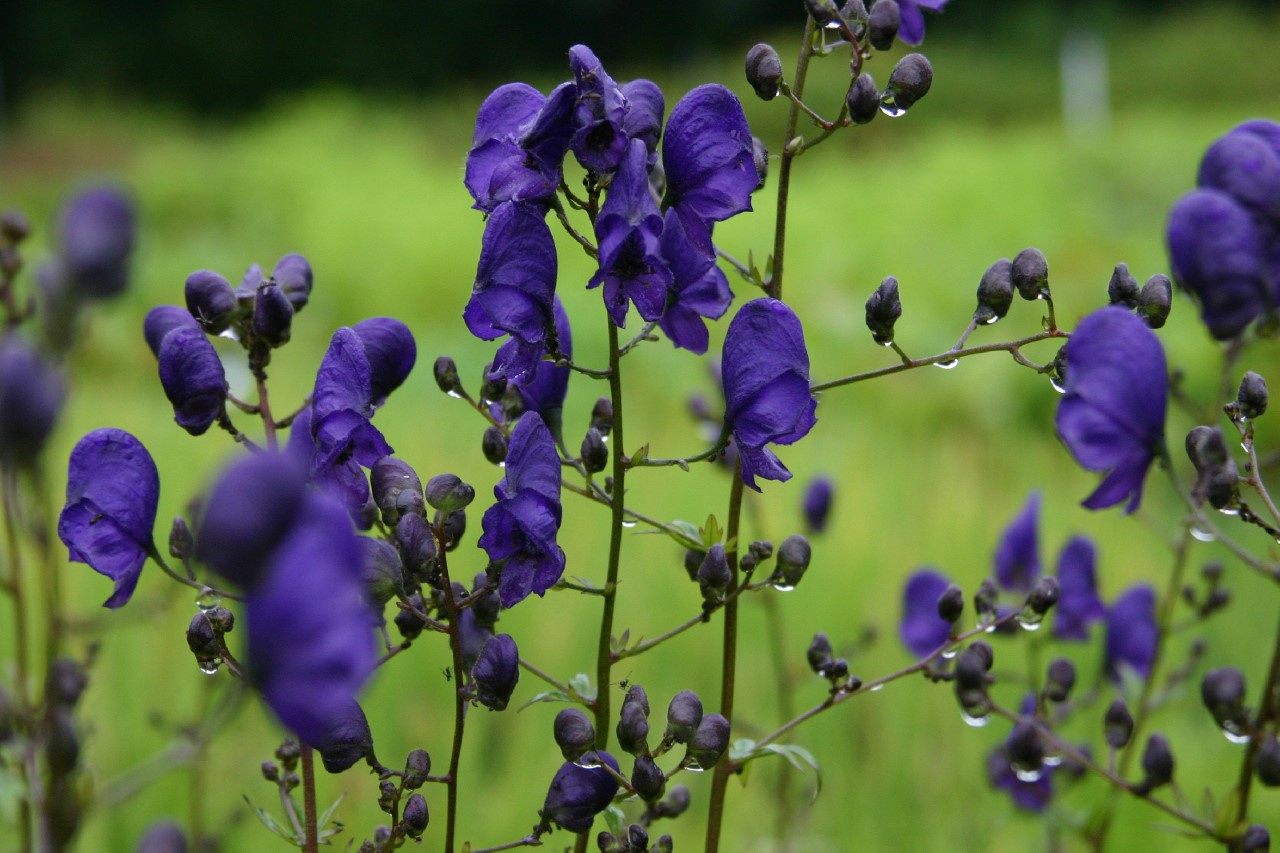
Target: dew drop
976, 722
454, 394
1202, 534
1057, 385
629, 523
1052, 760
1029, 620
784, 587
949, 654
207, 600
1230, 510
210, 666
947, 365
502, 464
1232, 733
886, 344
990, 322
588, 761
1027, 775
693, 766
889, 106
877, 688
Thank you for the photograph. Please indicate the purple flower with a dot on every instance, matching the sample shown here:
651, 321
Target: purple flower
1030, 795
515, 283
496, 672
1078, 604
391, 350
698, 288
1018, 555
162, 320
112, 492
210, 300
708, 160
629, 228
911, 29
598, 141
519, 144
544, 389
765, 371
192, 377
32, 391
95, 238
520, 529
577, 794
643, 120
817, 503
344, 739
1131, 633
1112, 415
292, 274
922, 629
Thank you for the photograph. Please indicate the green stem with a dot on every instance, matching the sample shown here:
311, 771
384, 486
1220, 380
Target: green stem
604, 655
16, 583
459, 700
1266, 713
774, 286
311, 840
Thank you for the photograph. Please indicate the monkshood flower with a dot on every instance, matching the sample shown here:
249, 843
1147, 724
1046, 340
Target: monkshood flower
496, 672
817, 503
513, 290
192, 377
577, 794
1131, 633
911, 27
112, 492
1078, 604
598, 140
643, 120
95, 238
520, 529
629, 228
32, 391
922, 629
708, 160
544, 389
1031, 790
765, 371
1017, 559
699, 288
1111, 416
344, 739
391, 351
519, 144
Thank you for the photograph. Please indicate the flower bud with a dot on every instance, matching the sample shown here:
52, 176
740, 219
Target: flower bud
14, 226
396, 489
951, 604
995, 291
595, 453
633, 729
408, 623
648, 779
388, 795
417, 544
793, 559
1123, 287
764, 71
65, 683
820, 653
496, 672
760, 156
446, 373
636, 695
270, 771
1043, 595
211, 301
676, 803
1117, 725
454, 525
971, 679
1219, 479
1223, 692
607, 842
1267, 762
96, 231
883, 310
692, 562
822, 11
181, 543
381, 571
1256, 839
578, 794
272, 316
602, 415
863, 99
32, 391
1026, 749
574, 734
62, 744
292, 274
1251, 399
1157, 764
637, 838
714, 573
1030, 273
163, 836
203, 640
494, 445
1155, 301
709, 742
684, 714
447, 493
1061, 678
984, 601
664, 844
883, 23
492, 387
909, 82
417, 767
415, 817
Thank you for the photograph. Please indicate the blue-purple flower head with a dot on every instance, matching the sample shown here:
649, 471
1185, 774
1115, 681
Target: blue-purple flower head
1078, 604
543, 391
1224, 238
1111, 416
113, 490
765, 371
699, 289
519, 145
911, 27
96, 234
520, 529
922, 630
1017, 559
1131, 633
32, 391
599, 141
190, 371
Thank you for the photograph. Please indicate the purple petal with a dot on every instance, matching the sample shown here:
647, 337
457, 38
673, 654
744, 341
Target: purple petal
922, 630
96, 236
193, 378
344, 381
544, 390
1078, 604
391, 351
162, 320
1017, 558
1131, 632
578, 794
699, 288
643, 120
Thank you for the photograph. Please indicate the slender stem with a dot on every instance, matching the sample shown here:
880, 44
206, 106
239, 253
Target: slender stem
159, 560
1266, 713
682, 462
311, 840
264, 408
774, 286
729, 664
527, 841
460, 696
16, 582
533, 670
645, 645
645, 334
785, 818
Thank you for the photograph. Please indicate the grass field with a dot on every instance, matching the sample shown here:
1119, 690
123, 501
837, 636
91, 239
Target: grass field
930, 466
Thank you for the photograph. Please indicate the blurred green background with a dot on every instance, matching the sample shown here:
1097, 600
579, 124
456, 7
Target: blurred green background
366, 181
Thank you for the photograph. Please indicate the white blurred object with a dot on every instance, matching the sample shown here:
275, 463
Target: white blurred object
1086, 97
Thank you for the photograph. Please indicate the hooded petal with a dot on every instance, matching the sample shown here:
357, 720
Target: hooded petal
344, 381
699, 288
544, 390
922, 629
391, 351
1018, 555
193, 378
1078, 604
577, 794
1131, 632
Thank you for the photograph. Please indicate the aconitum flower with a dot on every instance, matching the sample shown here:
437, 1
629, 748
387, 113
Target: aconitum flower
598, 140
708, 160
1017, 557
765, 372
911, 28
32, 391
922, 629
643, 120
1111, 416
513, 290
520, 529
1078, 604
543, 391
392, 352
699, 288
519, 145
817, 503
577, 794
96, 233
629, 228
192, 377
1131, 633
112, 492
496, 672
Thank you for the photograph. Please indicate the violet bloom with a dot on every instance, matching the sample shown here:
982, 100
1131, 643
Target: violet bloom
391, 350
765, 371
817, 503
911, 28
1131, 633
193, 378
344, 739
496, 672
699, 288
32, 391
628, 229
922, 629
709, 163
1018, 554
163, 319
1027, 794
95, 238
598, 141
515, 283
519, 145
643, 120
577, 794
1112, 415
1078, 604
520, 529
112, 492
543, 391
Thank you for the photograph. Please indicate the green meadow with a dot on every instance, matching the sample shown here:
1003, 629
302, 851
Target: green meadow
930, 465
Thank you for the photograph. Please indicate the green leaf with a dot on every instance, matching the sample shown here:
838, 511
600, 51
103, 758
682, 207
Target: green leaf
710, 531
269, 821
1225, 821
616, 821
547, 696
741, 750
640, 456
327, 815
686, 534
581, 685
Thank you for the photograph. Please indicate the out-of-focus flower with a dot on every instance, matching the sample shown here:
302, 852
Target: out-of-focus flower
96, 233
1078, 603
911, 25
113, 489
1017, 559
1112, 415
765, 371
817, 503
922, 629
32, 391
1131, 632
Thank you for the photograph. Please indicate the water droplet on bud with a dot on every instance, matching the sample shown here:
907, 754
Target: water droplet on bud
947, 365
210, 666
207, 600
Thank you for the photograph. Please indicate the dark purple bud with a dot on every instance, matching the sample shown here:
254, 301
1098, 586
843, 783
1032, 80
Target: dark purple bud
203, 640
817, 503
1117, 724
1030, 274
995, 291
793, 559
162, 320
692, 562
62, 742
602, 416
676, 803
447, 493
984, 600
193, 379
454, 526
709, 742
1267, 762
1123, 288
1061, 678
1155, 301
32, 391
648, 779
714, 573
65, 683
1246, 166
417, 544
574, 734
163, 837
417, 767
637, 696
414, 818
684, 715
494, 445
883, 310
1251, 399
497, 672
664, 844
863, 102
1043, 596
823, 12
1157, 764
408, 623
292, 275
1223, 692
883, 23
1256, 839
951, 604
820, 654
14, 226
382, 573
633, 729
446, 374
578, 794
396, 489
759, 156
595, 453
181, 543
1026, 749
1218, 480
908, 82
637, 838
211, 301
764, 71
272, 316
95, 237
